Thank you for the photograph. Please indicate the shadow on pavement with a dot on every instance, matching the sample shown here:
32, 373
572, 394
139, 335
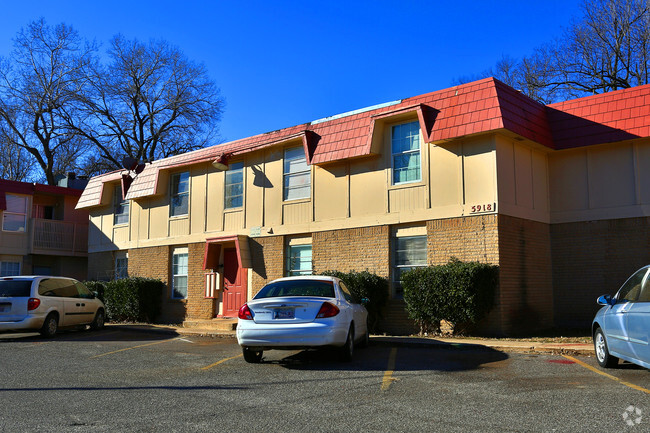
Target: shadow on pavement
72, 334
375, 358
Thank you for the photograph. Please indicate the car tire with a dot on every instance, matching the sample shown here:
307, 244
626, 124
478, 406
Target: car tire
603, 357
98, 321
347, 351
50, 326
252, 356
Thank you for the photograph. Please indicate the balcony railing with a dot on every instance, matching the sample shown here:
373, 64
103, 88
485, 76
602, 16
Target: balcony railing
59, 237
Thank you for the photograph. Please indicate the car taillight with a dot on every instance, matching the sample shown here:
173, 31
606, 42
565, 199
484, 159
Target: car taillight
245, 313
327, 310
33, 304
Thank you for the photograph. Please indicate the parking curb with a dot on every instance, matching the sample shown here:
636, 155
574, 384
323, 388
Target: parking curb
396, 341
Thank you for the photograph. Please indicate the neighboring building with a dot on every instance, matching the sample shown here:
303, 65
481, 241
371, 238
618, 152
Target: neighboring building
42, 232
558, 196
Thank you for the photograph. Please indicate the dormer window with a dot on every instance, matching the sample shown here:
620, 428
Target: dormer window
180, 194
120, 207
14, 218
297, 176
406, 155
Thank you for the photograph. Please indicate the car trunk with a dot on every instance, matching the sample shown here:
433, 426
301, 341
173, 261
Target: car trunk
287, 309
14, 298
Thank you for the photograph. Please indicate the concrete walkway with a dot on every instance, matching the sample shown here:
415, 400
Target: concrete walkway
505, 345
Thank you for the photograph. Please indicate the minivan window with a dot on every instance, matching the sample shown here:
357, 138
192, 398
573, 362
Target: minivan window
60, 287
83, 291
15, 288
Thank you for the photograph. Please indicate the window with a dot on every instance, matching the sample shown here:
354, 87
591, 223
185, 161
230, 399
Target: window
410, 252
9, 269
179, 273
405, 149
180, 194
121, 267
120, 207
644, 296
234, 194
298, 260
14, 218
630, 290
297, 176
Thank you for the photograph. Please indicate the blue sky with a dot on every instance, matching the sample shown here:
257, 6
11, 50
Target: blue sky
281, 63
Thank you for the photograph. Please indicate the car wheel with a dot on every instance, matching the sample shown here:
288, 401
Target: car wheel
98, 321
602, 352
347, 351
50, 326
252, 356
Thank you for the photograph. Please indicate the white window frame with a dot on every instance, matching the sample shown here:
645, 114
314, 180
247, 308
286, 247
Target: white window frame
409, 152
292, 169
3, 268
176, 182
294, 257
400, 267
121, 266
179, 272
15, 212
235, 168
121, 207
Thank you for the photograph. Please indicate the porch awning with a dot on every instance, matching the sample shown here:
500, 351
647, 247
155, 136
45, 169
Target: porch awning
213, 251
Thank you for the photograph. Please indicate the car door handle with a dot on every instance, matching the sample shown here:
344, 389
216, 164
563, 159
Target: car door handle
81, 305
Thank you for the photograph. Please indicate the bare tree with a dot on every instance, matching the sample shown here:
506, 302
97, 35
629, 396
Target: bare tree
149, 102
15, 162
39, 85
608, 49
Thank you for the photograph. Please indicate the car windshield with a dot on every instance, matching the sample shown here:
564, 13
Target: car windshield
318, 288
15, 288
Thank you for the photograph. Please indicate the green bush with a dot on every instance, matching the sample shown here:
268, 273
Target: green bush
97, 287
130, 299
366, 285
458, 292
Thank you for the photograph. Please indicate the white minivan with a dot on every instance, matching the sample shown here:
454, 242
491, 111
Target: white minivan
45, 304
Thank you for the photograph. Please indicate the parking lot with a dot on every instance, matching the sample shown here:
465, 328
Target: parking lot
121, 380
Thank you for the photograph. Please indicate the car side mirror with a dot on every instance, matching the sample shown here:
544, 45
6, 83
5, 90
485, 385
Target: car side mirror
606, 300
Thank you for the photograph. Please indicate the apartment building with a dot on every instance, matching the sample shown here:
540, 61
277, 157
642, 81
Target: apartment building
557, 196
42, 232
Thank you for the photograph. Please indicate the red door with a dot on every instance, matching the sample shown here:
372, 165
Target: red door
234, 283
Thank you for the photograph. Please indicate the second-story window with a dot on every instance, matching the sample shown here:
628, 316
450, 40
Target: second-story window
14, 218
405, 149
120, 207
180, 194
234, 194
297, 176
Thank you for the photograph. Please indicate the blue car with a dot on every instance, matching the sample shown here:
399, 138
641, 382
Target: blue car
621, 328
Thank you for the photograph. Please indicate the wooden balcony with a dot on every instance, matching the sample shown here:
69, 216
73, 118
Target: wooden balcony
60, 238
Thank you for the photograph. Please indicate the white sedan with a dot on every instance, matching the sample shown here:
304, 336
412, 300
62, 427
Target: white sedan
304, 312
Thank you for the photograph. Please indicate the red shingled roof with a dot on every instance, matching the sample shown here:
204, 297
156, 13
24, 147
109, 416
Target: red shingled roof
472, 108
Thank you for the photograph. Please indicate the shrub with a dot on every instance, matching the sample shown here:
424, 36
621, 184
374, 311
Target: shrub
458, 292
133, 299
97, 287
366, 285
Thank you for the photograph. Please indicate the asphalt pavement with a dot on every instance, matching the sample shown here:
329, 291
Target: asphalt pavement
502, 344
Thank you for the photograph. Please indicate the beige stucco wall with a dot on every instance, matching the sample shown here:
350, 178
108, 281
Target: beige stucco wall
600, 182
347, 194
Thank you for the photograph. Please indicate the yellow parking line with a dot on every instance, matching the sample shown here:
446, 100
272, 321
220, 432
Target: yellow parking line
129, 348
219, 362
388, 374
609, 376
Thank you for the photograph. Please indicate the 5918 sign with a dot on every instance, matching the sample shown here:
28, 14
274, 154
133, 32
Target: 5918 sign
483, 208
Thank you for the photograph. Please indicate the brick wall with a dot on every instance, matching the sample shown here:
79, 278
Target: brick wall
468, 239
525, 268
198, 307
352, 250
267, 257
154, 262
591, 259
